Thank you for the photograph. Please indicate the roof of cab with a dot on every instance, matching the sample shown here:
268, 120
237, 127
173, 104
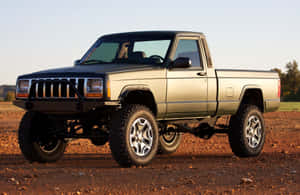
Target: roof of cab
166, 34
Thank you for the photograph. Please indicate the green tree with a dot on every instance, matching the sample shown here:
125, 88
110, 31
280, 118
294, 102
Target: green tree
10, 96
278, 71
292, 77
290, 81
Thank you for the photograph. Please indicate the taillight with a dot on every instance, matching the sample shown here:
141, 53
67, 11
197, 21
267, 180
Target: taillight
279, 88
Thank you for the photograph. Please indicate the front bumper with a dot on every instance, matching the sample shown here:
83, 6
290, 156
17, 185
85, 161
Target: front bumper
63, 107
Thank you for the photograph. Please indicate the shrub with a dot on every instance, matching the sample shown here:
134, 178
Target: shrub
10, 96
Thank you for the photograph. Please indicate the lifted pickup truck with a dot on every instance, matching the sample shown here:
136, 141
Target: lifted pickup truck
138, 91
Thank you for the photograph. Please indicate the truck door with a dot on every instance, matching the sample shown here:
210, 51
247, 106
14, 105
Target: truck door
187, 87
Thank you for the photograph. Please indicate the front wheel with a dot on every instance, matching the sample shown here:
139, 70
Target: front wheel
33, 143
133, 137
247, 133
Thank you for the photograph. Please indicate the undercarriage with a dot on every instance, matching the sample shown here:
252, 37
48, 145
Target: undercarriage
97, 128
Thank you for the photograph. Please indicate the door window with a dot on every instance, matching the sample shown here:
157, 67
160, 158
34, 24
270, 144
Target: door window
189, 48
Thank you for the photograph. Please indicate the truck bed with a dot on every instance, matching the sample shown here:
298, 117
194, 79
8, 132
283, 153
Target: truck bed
232, 85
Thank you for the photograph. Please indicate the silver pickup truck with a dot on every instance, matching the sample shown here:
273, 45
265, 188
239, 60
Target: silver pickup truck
139, 91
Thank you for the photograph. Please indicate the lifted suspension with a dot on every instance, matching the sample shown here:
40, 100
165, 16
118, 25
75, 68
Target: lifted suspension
204, 130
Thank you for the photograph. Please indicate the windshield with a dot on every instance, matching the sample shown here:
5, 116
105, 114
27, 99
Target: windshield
127, 51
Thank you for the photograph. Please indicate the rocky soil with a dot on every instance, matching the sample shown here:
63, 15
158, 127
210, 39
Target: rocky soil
198, 167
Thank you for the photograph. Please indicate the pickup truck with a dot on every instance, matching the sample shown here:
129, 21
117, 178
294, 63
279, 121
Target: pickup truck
139, 91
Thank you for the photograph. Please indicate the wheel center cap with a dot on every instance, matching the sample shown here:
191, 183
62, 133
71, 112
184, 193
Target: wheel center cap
139, 136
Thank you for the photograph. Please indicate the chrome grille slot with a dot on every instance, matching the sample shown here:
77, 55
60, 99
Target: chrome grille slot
56, 88
63, 88
72, 91
48, 88
80, 86
40, 89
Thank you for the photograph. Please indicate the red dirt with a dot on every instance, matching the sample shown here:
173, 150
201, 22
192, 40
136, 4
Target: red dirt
198, 167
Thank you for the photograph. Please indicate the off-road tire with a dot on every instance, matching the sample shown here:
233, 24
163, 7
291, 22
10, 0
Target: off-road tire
30, 124
237, 134
119, 135
169, 146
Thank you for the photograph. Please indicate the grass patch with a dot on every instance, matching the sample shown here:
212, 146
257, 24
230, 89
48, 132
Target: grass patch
289, 106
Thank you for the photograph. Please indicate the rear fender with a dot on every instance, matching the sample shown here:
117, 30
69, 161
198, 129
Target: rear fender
250, 87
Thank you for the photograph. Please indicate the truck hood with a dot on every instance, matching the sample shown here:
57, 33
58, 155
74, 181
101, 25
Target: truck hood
90, 70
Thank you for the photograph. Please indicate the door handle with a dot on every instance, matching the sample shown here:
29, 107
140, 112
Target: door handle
201, 73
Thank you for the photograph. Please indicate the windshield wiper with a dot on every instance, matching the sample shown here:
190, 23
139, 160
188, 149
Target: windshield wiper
93, 62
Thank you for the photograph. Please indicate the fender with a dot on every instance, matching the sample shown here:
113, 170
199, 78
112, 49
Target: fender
128, 88
247, 87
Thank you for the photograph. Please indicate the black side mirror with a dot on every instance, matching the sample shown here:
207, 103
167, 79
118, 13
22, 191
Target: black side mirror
182, 62
76, 62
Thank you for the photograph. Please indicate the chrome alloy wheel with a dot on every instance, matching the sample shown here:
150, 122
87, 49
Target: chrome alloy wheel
141, 137
254, 131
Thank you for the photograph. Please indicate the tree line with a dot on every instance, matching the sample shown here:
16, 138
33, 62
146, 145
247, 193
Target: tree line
290, 82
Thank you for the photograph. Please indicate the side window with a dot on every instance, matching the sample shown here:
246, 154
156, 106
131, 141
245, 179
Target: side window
189, 48
150, 48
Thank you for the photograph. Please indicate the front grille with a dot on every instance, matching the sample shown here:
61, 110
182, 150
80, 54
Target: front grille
55, 88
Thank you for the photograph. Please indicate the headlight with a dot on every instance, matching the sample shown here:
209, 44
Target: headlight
94, 88
23, 87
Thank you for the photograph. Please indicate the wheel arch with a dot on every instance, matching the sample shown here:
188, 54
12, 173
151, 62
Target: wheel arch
253, 95
138, 94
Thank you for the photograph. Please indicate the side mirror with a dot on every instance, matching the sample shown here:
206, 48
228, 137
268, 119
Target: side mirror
76, 62
182, 62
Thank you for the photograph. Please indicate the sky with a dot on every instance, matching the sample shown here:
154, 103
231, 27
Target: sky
37, 35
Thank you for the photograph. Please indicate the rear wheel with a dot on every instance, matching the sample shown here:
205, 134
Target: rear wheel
33, 143
169, 142
247, 134
133, 136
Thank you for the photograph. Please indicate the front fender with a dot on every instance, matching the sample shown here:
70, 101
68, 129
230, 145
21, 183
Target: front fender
129, 88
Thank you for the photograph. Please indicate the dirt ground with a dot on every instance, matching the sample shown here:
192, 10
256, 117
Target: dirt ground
198, 167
